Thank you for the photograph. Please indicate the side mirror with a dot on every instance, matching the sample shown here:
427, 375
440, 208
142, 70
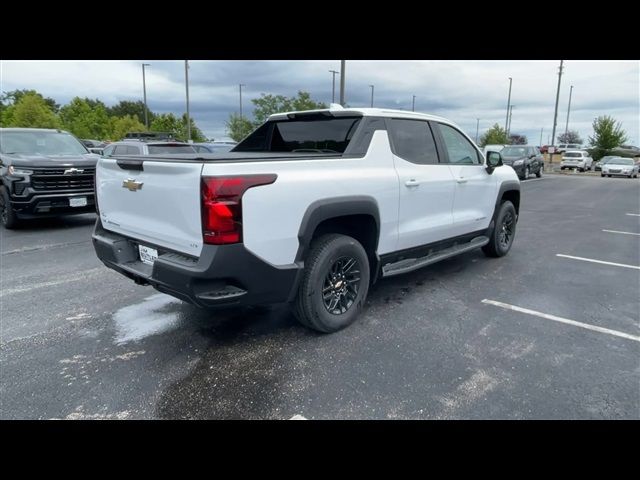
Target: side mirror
494, 159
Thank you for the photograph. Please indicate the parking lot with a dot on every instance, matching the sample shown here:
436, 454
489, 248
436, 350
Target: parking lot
531, 335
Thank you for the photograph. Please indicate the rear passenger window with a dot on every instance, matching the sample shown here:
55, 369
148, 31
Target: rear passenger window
413, 141
460, 150
120, 150
132, 150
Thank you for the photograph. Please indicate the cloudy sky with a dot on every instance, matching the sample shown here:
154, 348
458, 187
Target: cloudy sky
460, 90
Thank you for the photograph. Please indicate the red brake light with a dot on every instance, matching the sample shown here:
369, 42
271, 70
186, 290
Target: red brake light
222, 207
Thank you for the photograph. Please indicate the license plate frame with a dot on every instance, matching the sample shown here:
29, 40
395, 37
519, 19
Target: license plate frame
77, 202
147, 255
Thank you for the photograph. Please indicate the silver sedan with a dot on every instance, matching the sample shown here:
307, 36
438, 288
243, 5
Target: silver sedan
620, 166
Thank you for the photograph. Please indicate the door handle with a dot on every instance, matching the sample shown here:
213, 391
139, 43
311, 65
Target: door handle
412, 183
461, 180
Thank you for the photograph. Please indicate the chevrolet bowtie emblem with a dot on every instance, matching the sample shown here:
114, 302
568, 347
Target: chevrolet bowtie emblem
71, 171
131, 184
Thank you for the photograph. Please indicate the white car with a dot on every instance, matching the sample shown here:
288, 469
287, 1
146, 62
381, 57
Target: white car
620, 166
579, 159
311, 209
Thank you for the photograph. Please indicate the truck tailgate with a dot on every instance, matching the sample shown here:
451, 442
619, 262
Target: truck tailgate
159, 204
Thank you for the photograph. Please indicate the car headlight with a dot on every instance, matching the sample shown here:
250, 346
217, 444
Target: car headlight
518, 162
19, 171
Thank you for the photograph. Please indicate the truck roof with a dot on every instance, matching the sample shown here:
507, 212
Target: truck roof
336, 109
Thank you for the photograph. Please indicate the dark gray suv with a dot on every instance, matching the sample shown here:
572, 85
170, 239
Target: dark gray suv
524, 159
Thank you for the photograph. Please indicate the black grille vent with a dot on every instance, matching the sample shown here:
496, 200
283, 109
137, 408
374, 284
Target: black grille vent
55, 179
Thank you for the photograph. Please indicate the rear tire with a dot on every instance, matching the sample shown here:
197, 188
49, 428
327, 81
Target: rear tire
503, 232
539, 172
8, 216
334, 285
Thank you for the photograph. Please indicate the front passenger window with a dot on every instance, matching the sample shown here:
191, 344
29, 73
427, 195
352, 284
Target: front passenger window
460, 150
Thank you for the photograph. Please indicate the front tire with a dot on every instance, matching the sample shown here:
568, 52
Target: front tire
8, 216
503, 232
334, 285
539, 172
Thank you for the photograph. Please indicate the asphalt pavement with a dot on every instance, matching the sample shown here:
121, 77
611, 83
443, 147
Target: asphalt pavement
79, 341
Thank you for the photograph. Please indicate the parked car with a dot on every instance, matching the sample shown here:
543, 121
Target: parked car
311, 208
44, 173
214, 147
598, 165
524, 159
579, 159
137, 147
564, 147
620, 166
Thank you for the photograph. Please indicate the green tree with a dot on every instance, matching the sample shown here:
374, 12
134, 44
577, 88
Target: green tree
13, 97
496, 135
86, 118
607, 135
31, 110
269, 104
120, 126
168, 122
134, 109
238, 127
196, 133
571, 136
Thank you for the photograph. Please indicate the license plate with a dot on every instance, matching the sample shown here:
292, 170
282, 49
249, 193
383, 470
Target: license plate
147, 254
78, 201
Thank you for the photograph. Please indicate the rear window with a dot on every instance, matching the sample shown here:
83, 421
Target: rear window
573, 155
155, 149
313, 134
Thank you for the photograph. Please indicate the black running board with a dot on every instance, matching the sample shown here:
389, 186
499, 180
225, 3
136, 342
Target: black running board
411, 264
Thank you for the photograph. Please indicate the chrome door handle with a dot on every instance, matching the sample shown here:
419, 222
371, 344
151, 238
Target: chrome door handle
461, 180
412, 183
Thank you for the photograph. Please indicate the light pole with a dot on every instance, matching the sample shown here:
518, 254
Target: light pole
506, 123
240, 86
144, 94
333, 85
541, 130
371, 95
413, 104
555, 114
343, 68
509, 117
566, 128
186, 81
477, 128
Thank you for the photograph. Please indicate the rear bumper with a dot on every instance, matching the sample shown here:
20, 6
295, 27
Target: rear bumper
223, 275
51, 204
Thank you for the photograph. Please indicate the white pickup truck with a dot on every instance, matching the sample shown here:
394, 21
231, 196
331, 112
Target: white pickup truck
311, 209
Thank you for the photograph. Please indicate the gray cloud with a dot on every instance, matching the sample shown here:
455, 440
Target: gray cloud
460, 90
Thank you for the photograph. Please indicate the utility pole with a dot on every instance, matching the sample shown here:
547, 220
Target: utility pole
343, 68
509, 117
144, 93
371, 95
241, 85
333, 87
477, 128
541, 130
506, 122
555, 114
186, 81
413, 104
566, 128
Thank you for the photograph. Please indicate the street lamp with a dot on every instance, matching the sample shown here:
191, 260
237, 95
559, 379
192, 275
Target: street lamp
509, 123
506, 123
477, 129
333, 85
186, 82
566, 128
371, 95
413, 104
241, 85
144, 93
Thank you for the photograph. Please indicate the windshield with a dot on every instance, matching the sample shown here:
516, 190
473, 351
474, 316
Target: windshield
513, 152
620, 161
154, 149
573, 155
40, 143
313, 134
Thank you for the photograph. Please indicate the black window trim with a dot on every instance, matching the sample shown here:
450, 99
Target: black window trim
393, 148
443, 147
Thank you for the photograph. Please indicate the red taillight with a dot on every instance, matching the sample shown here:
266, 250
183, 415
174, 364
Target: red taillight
222, 207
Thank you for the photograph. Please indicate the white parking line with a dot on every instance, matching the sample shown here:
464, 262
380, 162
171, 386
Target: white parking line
633, 214
586, 326
598, 261
624, 233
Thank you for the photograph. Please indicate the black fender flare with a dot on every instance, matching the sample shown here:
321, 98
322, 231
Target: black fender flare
506, 186
328, 208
